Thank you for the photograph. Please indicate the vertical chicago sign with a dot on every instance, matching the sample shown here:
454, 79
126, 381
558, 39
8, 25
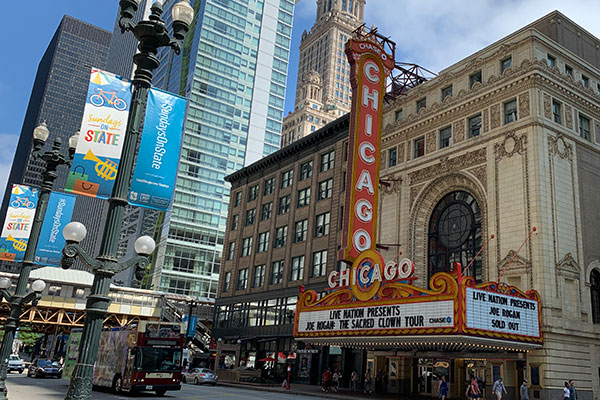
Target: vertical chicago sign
370, 65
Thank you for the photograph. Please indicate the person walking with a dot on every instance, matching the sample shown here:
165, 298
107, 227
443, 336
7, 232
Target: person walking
368, 382
443, 388
326, 380
498, 388
473, 389
354, 378
572, 391
523, 391
566, 392
337, 376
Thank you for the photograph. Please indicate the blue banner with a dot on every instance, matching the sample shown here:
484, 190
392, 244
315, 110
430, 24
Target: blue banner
52, 241
18, 222
98, 152
155, 171
191, 331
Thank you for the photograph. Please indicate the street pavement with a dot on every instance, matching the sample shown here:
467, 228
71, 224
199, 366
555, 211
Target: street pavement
20, 387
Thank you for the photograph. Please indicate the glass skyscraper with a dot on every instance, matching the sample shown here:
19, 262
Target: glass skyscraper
233, 71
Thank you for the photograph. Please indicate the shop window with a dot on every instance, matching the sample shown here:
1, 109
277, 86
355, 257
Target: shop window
595, 291
455, 234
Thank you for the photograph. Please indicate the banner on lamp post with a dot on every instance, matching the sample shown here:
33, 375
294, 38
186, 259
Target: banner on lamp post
155, 171
18, 222
52, 241
102, 134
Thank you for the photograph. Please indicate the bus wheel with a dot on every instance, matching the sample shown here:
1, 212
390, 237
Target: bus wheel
160, 392
117, 384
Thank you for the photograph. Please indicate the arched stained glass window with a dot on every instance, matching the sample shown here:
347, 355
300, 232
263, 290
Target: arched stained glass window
455, 234
595, 290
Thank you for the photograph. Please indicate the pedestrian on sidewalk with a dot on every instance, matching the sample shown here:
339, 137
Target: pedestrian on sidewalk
326, 380
354, 378
498, 388
473, 389
337, 376
572, 391
566, 392
443, 388
368, 382
523, 392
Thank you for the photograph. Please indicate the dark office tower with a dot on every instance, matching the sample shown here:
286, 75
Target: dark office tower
58, 97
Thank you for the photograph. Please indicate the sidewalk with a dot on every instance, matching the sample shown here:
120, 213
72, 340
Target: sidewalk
313, 390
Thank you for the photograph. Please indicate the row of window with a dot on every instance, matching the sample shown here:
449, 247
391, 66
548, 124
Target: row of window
303, 199
296, 273
584, 126
300, 235
445, 133
287, 178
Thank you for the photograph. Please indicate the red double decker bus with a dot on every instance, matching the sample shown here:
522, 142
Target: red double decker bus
143, 358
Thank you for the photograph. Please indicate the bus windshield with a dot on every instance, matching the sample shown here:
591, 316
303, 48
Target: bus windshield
153, 359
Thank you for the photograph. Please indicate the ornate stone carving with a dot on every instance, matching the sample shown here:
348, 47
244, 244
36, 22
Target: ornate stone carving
517, 262
511, 145
495, 111
446, 164
486, 120
568, 117
558, 146
547, 106
430, 142
524, 105
481, 174
391, 184
414, 190
568, 266
459, 131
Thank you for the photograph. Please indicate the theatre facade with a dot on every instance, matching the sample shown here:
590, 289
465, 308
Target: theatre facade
469, 240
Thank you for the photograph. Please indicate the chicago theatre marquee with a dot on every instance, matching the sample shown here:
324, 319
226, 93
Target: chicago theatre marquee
470, 221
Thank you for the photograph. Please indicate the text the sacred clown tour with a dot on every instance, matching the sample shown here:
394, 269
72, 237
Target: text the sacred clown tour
370, 65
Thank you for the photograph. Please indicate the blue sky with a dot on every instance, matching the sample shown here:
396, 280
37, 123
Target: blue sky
432, 33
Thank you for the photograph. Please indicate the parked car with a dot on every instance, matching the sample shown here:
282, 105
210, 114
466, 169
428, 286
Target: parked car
15, 364
43, 367
200, 376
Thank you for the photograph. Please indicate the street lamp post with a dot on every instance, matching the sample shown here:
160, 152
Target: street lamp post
151, 35
52, 158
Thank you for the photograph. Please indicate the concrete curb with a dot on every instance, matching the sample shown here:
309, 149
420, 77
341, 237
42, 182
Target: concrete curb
277, 389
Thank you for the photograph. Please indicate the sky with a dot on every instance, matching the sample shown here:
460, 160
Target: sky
431, 33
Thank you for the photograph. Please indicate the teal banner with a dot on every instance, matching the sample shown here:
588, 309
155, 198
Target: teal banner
52, 241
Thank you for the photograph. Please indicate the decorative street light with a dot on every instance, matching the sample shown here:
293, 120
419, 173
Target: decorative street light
53, 158
151, 35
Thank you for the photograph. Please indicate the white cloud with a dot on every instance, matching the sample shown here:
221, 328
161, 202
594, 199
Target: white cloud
436, 34
7, 153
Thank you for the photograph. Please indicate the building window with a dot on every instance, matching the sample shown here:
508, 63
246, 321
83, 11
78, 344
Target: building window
284, 205
231, 251
253, 193
269, 186
447, 91
392, 157
306, 170
398, 114
276, 272
595, 291
421, 103
557, 115
226, 281
419, 147
510, 111
325, 189
319, 263
585, 81
475, 125
322, 225
235, 222
297, 272
474, 78
569, 70
259, 276
287, 178
455, 234
242, 279
445, 137
505, 64
584, 127
303, 197
551, 61
300, 231
280, 237
327, 160
263, 242
237, 199
246, 246
266, 211
250, 216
